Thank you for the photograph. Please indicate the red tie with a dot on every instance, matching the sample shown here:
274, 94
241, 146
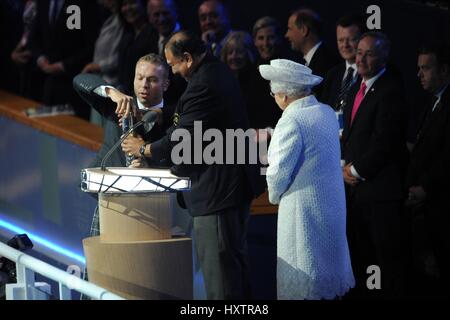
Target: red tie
358, 99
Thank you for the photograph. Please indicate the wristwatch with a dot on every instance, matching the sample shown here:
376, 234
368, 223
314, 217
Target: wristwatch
142, 149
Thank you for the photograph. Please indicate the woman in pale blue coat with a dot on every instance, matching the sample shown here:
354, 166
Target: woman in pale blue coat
305, 178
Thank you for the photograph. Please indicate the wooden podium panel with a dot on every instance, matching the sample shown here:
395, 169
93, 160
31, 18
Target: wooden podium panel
135, 255
135, 217
149, 270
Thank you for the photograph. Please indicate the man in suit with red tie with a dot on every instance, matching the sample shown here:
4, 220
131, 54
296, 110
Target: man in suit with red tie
428, 172
374, 154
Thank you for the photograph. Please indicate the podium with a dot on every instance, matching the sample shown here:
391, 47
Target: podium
136, 255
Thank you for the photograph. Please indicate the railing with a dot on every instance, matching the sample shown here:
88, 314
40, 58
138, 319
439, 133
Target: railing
27, 289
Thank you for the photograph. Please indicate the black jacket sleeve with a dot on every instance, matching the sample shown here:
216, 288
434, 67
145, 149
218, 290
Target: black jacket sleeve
200, 104
388, 134
85, 84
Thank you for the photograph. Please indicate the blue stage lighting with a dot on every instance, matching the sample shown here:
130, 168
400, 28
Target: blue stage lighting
37, 239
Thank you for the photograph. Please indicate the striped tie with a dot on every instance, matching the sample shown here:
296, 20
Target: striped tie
345, 86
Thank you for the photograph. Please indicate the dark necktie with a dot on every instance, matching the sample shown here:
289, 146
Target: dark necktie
427, 117
345, 86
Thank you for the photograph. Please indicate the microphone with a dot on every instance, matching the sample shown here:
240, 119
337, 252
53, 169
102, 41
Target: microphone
127, 122
148, 118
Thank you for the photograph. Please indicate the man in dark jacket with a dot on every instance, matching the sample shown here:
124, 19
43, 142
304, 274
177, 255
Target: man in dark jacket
305, 35
374, 151
429, 168
220, 195
341, 77
151, 80
60, 53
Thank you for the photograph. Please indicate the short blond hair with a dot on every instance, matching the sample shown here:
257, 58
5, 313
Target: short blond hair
265, 22
156, 60
240, 38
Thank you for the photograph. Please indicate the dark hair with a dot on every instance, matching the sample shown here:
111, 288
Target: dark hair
309, 18
441, 51
141, 3
186, 41
352, 19
385, 43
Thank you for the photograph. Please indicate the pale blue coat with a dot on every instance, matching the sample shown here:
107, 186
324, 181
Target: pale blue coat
305, 178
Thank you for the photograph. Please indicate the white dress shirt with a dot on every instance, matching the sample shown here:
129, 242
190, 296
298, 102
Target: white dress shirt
348, 65
439, 95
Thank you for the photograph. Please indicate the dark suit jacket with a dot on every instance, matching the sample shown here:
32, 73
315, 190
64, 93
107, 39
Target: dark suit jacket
84, 85
176, 88
429, 164
213, 97
332, 86
262, 109
333, 81
131, 49
322, 62
73, 47
375, 142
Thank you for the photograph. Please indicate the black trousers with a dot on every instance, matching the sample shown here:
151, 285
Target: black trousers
221, 244
376, 235
429, 251
437, 223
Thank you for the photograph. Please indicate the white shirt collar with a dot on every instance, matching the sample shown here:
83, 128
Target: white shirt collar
308, 57
142, 107
439, 94
369, 83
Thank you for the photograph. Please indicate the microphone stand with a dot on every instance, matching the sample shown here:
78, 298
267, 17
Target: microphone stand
148, 117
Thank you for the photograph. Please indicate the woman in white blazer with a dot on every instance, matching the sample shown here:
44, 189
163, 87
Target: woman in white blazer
305, 178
